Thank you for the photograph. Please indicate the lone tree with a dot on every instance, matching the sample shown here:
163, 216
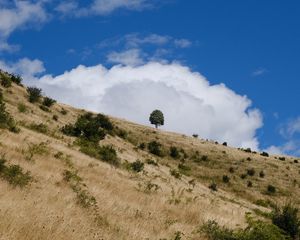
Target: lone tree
156, 118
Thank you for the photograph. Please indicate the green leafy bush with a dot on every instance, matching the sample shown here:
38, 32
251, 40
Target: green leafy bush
93, 128
225, 179
175, 173
5, 81
271, 189
137, 166
155, 148
41, 127
34, 94
22, 108
48, 102
257, 230
14, 174
288, 220
6, 120
174, 153
251, 172
213, 187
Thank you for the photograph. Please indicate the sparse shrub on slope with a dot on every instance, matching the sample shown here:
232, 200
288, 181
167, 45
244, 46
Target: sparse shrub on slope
34, 94
155, 148
6, 120
257, 230
92, 128
174, 153
288, 220
14, 174
5, 80
137, 166
48, 102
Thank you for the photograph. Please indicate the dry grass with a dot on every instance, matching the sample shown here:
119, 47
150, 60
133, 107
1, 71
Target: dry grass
147, 205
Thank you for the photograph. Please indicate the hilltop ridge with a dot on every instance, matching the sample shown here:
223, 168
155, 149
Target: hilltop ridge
134, 182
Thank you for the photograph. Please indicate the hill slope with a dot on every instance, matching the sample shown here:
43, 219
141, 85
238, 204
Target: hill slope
72, 195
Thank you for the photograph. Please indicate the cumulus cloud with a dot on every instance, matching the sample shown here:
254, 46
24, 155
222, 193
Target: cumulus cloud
130, 57
182, 43
27, 68
18, 15
290, 131
190, 104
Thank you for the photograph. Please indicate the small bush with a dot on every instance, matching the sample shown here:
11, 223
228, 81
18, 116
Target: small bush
281, 158
224, 144
213, 187
231, 170
142, 146
16, 79
5, 81
48, 102
271, 189
195, 135
243, 176
249, 159
175, 173
256, 230
287, 219
6, 120
251, 172
55, 118
108, 154
264, 154
14, 174
22, 108
41, 128
155, 148
261, 174
174, 153
44, 108
34, 94
137, 166
183, 167
249, 184
248, 150
225, 179
63, 111
296, 161
151, 162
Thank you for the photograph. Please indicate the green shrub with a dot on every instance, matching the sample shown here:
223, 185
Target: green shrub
151, 162
264, 154
16, 79
41, 128
175, 173
249, 184
288, 220
55, 118
44, 108
213, 187
5, 81
225, 179
271, 189
6, 121
22, 108
48, 102
257, 230
34, 94
155, 148
63, 111
231, 170
174, 153
108, 154
14, 174
93, 128
251, 172
142, 146
262, 174
137, 166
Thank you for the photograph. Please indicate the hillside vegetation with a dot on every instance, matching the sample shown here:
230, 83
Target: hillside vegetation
69, 174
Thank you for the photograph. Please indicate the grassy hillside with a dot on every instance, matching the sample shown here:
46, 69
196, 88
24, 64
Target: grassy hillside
55, 186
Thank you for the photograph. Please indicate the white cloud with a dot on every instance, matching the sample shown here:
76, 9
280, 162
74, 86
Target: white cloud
182, 43
16, 16
101, 7
291, 128
130, 57
25, 67
259, 72
190, 104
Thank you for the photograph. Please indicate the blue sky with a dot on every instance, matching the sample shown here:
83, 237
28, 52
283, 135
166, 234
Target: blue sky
250, 46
